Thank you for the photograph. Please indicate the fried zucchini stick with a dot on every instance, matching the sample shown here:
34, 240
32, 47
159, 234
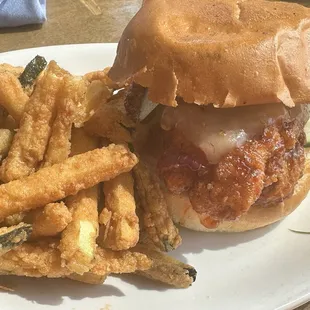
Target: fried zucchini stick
120, 224
42, 259
78, 240
59, 145
61, 180
29, 144
50, 221
12, 96
156, 219
167, 269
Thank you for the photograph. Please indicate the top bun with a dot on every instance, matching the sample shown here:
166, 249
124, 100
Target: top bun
225, 52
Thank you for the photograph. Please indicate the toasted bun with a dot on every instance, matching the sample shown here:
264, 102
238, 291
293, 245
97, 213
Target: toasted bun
183, 214
225, 52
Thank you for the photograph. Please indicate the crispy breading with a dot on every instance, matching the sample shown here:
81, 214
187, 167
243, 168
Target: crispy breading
6, 138
78, 240
54, 183
108, 261
42, 259
30, 142
14, 219
120, 224
34, 260
51, 220
108, 122
16, 71
102, 76
167, 269
12, 95
156, 219
59, 145
88, 277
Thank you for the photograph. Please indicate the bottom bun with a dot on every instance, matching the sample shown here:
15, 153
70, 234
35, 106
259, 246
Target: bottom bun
182, 212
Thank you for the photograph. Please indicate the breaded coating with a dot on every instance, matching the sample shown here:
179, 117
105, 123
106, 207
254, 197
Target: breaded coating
16, 71
95, 94
78, 240
108, 261
102, 76
59, 145
51, 220
167, 269
30, 142
6, 138
156, 219
88, 277
120, 224
12, 95
42, 259
14, 219
61, 180
111, 123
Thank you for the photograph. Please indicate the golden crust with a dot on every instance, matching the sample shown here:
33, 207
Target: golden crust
256, 217
225, 52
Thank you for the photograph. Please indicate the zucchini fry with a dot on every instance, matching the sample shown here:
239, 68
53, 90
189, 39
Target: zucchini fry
11, 237
167, 269
12, 96
156, 219
120, 224
30, 142
59, 145
42, 259
54, 183
78, 240
50, 221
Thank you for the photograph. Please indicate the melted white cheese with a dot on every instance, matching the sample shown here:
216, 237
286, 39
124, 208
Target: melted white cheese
218, 131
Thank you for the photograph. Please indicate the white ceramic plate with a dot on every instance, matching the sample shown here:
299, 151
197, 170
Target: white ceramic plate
265, 269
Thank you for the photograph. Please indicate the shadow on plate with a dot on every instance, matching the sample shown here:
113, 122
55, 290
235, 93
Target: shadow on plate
51, 291
142, 283
196, 242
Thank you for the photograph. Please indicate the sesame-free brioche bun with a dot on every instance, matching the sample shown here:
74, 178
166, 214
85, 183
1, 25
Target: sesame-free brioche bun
225, 52
257, 216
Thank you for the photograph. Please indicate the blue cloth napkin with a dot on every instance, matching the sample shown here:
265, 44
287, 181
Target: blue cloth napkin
22, 12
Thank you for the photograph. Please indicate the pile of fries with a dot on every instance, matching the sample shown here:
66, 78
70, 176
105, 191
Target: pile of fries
75, 202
